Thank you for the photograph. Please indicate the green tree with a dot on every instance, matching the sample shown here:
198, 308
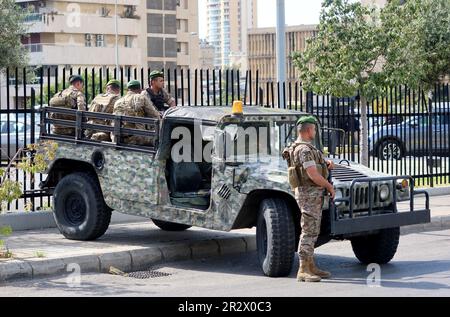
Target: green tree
12, 16
365, 50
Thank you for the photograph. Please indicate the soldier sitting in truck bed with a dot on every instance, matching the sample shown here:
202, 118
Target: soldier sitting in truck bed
104, 103
70, 98
133, 104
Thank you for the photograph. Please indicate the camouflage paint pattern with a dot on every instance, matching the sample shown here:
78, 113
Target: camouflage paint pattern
134, 183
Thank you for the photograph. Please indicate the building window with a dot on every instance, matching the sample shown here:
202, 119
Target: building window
88, 40
128, 41
100, 40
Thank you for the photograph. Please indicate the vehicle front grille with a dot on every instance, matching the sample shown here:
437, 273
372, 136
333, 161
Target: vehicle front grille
361, 196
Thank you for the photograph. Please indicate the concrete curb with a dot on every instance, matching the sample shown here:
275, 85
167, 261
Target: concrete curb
436, 224
126, 261
23, 221
440, 191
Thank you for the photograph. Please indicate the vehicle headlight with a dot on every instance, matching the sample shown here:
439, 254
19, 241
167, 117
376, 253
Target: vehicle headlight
384, 192
339, 195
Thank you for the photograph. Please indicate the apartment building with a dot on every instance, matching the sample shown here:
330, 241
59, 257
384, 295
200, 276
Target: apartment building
171, 34
207, 53
82, 33
262, 50
228, 25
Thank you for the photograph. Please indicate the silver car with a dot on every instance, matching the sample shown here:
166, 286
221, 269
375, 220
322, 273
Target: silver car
14, 133
411, 137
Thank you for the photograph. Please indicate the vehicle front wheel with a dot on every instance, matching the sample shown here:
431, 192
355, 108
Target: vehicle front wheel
390, 150
79, 209
379, 248
170, 226
275, 238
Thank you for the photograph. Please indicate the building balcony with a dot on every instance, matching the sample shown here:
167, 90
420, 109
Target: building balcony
51, 54
92, 24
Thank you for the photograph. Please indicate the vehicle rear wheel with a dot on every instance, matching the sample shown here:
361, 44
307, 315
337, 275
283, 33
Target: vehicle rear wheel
170, 226
379, 248
275, 238
79, 209
390, 150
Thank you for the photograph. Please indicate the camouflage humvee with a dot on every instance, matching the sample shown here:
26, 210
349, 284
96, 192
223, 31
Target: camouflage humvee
213, 169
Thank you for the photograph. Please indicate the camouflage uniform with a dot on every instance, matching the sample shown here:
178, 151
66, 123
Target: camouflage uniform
103, 104
310, 197
160, 100
136, 105
78, 101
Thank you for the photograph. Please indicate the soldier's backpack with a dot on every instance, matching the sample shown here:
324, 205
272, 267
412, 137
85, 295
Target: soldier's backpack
128, 106
103, 103
293, 176
63, 99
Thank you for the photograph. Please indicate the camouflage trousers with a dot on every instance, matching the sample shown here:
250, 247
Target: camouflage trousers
310, 201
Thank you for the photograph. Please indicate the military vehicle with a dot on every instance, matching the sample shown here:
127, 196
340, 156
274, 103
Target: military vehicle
218, 168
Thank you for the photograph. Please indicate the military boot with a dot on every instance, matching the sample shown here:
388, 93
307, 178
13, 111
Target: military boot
317, 271
305, 274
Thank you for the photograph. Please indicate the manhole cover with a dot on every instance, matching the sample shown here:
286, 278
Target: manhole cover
150, 274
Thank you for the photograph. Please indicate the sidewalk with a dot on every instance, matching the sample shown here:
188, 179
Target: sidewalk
140, 245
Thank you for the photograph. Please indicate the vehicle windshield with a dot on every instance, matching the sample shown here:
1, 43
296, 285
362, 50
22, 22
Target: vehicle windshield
256, 140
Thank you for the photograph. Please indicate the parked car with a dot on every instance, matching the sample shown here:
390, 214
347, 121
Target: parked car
16, 132
411, 137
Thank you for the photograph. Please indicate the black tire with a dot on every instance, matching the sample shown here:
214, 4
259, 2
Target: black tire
170, 226
379, 248
275, 238
390, 150
80, 211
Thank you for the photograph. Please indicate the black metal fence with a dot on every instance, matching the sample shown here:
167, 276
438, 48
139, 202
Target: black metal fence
408, 134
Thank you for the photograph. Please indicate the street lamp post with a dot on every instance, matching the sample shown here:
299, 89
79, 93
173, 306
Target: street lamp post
281, 49
116, 27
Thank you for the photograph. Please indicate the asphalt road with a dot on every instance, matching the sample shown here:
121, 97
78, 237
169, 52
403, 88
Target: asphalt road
421, 268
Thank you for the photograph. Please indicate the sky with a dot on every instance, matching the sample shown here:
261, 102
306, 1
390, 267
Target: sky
297, 12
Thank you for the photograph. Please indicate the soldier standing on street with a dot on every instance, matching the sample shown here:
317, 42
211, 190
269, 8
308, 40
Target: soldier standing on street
70, 98
104, 103
157, 94
133, 104
312, 170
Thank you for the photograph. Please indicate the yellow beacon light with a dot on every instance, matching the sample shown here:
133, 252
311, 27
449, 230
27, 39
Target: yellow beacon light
238, 108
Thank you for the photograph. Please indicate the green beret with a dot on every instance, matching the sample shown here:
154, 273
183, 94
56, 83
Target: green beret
307, 119
156, 74
113, 82
134, 84
75, 78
